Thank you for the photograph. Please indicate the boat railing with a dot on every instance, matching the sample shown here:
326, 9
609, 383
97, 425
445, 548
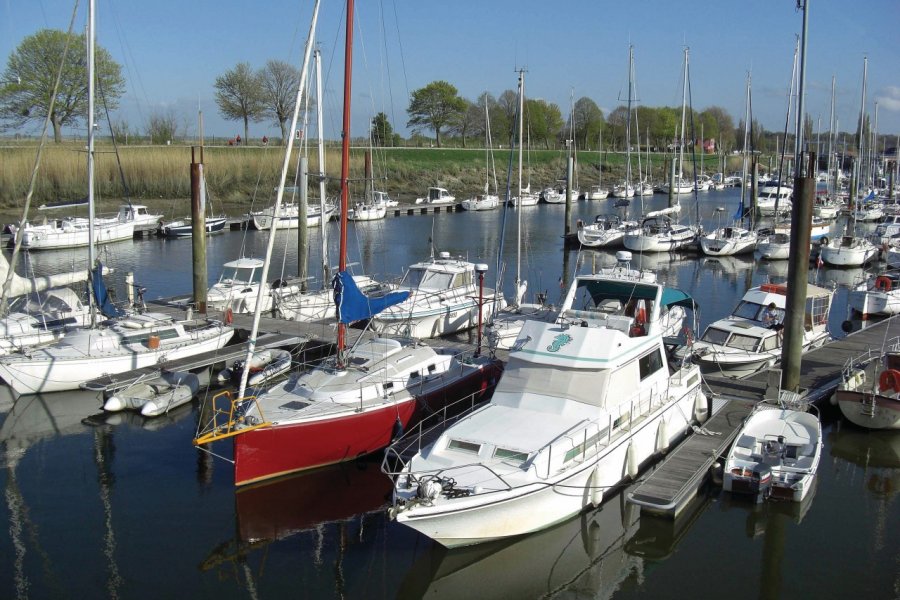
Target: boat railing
428, 429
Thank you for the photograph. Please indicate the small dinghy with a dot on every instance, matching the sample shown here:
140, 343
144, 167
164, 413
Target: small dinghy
265, 366
775, 455
157, 396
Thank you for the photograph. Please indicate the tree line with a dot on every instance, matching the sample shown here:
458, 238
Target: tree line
248, 94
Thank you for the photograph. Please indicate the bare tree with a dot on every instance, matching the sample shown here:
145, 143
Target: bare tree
162, 126
239, 95
280, 81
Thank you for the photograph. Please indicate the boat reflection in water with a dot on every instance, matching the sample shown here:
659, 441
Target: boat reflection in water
281, 508
325, 511
584, 556
657, 536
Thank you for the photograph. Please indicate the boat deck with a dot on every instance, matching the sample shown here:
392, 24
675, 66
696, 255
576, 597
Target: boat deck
676, 481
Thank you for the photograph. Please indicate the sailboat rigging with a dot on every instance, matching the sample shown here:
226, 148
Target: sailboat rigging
356, 401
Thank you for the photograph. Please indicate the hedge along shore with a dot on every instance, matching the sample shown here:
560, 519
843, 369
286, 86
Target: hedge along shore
244, 177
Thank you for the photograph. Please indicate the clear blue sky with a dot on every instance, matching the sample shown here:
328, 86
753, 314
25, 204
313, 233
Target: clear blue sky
172, 51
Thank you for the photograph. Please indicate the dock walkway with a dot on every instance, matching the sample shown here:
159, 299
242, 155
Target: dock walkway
676, 481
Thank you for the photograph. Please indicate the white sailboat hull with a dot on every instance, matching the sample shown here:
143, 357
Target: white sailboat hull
46, 371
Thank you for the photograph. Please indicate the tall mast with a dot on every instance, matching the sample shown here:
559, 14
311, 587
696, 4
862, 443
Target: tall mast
516, 284
744, 165
276, 210
831, 183
90, 151
683, 109
345, 163
860, 136
628, 121
320, 124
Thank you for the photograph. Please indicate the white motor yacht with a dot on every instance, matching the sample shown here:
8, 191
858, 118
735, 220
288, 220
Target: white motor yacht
582, 404
743, 342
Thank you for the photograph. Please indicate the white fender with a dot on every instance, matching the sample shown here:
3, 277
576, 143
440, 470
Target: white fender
596, 489
701, 407
631, 463
662, 436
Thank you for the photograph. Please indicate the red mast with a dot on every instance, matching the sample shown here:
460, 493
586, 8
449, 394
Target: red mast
345, 163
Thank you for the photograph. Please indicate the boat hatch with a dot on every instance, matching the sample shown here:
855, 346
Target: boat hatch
462, 446
510, 455
294, 405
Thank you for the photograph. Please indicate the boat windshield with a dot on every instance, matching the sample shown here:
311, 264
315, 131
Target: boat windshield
425, 279
749, 310
714, 335
241, 275
521, 377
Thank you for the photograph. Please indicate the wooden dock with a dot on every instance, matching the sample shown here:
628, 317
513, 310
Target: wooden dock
820, 370
676, 481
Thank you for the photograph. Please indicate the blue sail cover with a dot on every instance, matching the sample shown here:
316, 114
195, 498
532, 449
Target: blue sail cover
101, 295
353, 305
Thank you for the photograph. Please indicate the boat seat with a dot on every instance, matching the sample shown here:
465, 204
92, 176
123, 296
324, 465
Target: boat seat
592, 317
610, 306
746, 441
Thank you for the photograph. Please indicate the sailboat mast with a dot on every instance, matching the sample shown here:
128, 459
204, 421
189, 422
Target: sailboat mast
744, 164
345, 162
90, 151
320, 124
519, 212
276, 210
628, 121
860, 136
798, 150
831, 183
683, 109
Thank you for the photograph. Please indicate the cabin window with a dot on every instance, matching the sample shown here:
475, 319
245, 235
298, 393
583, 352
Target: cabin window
510, 455
714, 335
388, 386
163, 334
461, 446
431, 369
749, 310
769, 343
424, 279
580, 448
414, 375
743, 342
462, 279
622, 420
650, 363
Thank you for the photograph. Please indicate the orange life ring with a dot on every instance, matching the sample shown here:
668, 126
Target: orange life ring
889, 380
229, 316
883, 283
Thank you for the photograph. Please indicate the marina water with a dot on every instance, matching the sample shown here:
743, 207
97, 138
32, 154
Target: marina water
121, 506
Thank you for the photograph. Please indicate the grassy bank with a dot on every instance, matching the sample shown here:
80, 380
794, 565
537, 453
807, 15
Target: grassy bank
241, 177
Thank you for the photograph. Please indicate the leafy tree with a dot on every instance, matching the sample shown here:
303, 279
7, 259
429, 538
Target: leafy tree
588, 122
280, 81
434, 107
121, 130
615, 127
382, 132
31, 72
468, 122
718, 124
544, 119
239, 96
162, 126
503, 115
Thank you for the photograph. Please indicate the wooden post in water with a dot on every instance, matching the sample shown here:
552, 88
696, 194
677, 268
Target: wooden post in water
798, 267
570, 164
302, 229
198, 230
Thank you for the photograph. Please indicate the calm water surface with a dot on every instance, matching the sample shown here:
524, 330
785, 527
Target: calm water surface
124, 507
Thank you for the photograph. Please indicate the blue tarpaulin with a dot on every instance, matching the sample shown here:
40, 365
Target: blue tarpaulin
101, 295
353, 305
